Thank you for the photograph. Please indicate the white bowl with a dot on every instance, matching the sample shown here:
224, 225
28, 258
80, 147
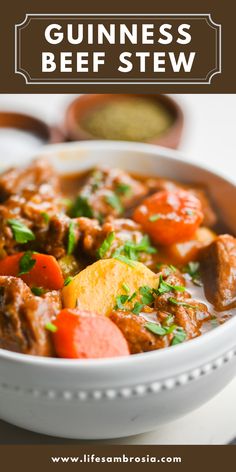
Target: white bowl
107, 398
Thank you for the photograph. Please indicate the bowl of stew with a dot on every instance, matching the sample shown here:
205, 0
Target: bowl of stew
117, 289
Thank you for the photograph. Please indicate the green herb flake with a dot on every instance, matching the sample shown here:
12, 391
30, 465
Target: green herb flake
26, 263
193, 269
124, 259
179, 303
22, 234
189, 212
126, 288
154, 217
114, 201
68, 280
81, 207
165, 287
147, 295
71, 238
156, 328
46, 217
120, 301
51, 327
137, 308
38, 291
105, 246
123, 189
179, 336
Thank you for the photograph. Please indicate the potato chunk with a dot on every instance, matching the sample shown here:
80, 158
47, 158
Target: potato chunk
96, 287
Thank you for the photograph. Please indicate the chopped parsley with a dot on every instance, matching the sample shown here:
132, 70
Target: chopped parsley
22, 234
126, 288
132, 250
46, 217
179, 303
147, 295
120, 301
105, 246
123, 189
165, 287
26, 263
137, 308
179, 336
154, 217
156, 328
189, 212
193, 269
38, 291
68, 280
81, 207
51, 327
124, 259
179, 333
114, 201
71, 238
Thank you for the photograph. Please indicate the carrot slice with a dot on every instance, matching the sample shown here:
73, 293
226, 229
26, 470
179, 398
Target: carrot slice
170, 217
87, 335
45, 273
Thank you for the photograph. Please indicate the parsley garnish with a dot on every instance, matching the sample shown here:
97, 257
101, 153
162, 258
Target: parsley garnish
114, 201
120, 300
51, 327
106, 244
156, 328
132, 250
68, 280
26, 263
123, 189
155, 217
124, 259
179, 336
46, 217
71, 238
21, 232
179, 333
38, 291
179, 303
137, 308
147, 295
165, 287
193, 269
81, 207
126, 288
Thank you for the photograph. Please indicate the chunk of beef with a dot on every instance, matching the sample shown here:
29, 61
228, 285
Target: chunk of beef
23, 317
218, 267
55, 240
125, 230
188, 313
159, 184
108, 192
139, 338
15, 180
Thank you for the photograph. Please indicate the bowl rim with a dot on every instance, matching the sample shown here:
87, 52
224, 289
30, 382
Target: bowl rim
133, 359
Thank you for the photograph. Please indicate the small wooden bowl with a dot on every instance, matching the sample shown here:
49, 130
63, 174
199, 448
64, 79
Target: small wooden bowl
32, 125
79, 107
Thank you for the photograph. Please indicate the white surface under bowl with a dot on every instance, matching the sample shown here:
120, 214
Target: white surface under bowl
94, 399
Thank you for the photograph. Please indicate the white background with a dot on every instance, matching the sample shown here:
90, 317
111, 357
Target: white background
209, 137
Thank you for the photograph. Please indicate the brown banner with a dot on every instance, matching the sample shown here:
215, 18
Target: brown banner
100, 458
121, 49
210, 65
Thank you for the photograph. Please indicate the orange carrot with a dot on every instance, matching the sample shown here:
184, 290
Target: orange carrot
170, 217
87, 335
41, 270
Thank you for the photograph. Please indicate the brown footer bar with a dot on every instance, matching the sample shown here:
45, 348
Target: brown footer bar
100, 458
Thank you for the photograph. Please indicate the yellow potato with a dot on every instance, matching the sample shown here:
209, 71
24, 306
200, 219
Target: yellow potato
96, 287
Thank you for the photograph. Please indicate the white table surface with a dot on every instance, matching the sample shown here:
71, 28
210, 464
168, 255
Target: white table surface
209, 137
